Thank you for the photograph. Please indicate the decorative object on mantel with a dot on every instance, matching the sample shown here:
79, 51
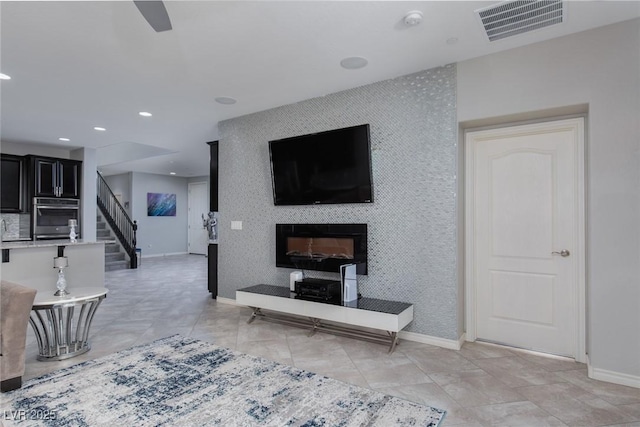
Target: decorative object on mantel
210, 223
183, 381
61, 262
73, 223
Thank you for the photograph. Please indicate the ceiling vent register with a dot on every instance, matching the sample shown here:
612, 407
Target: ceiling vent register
511, 18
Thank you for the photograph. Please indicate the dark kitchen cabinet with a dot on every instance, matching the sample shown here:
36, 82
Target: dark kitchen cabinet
12, 184
55, 177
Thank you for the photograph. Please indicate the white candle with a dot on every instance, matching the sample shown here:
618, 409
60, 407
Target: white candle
60, 262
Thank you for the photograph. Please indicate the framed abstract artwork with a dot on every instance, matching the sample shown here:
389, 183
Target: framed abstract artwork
161, 204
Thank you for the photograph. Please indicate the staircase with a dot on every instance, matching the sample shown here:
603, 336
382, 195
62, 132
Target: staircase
114, 258
118, 222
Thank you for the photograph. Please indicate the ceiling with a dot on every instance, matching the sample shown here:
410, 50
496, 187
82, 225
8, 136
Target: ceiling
76, 65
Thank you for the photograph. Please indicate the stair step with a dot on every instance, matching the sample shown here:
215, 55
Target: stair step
115, 265
111, 248
114, 256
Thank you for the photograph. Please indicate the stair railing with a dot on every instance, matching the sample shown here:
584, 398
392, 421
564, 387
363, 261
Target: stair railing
118, 219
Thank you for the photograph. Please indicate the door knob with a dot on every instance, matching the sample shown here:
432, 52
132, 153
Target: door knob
562, 253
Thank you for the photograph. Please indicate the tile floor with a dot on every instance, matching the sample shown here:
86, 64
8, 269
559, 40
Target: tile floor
480, 385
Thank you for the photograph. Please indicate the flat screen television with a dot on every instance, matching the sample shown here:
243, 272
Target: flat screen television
325, 167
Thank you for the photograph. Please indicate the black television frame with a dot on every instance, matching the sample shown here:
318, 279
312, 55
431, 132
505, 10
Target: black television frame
315, 138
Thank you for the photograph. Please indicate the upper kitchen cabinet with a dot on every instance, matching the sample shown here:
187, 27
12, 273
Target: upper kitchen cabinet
55, 177
12, 184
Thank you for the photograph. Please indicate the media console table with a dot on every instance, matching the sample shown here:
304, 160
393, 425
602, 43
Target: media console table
389, 316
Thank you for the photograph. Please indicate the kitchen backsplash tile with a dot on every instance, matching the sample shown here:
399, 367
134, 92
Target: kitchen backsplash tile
17, 226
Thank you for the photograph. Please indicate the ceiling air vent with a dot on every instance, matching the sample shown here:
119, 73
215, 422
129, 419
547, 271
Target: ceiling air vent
511, 18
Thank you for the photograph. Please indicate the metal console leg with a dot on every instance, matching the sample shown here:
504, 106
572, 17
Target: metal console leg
256, 313
394, 341
314, 327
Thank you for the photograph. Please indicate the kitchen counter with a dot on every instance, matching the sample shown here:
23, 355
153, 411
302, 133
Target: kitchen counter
31, 263
49, 243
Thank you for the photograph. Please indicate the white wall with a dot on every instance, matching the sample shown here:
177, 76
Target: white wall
204, 178
23, 149
600, 68
159, 235
88, 191
121, 184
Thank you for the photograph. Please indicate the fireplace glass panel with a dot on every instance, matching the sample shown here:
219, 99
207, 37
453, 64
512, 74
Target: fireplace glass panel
320, 247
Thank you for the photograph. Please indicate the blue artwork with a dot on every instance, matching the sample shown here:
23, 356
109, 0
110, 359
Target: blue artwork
161, 204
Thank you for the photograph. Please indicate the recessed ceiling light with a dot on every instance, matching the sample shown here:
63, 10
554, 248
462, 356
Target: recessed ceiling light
145, 114
64, 139
226, 100
99, 128
4, 77
452, 40
172, 173
354, 62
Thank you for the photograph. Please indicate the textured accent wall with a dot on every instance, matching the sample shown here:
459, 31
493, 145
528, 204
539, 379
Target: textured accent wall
412, 222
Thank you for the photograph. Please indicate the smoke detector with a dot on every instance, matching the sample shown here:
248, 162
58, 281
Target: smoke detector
413, 18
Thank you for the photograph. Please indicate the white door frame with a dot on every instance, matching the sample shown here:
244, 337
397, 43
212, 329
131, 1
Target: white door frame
189, 224
470, 196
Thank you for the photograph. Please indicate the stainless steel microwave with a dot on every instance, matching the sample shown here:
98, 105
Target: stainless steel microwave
51, 217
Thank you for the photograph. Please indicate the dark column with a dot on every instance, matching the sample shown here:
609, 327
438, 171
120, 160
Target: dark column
213, 207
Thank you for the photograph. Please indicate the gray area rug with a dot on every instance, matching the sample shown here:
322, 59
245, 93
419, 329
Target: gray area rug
181, 381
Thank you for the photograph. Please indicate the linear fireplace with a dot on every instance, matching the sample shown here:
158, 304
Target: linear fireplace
322, 247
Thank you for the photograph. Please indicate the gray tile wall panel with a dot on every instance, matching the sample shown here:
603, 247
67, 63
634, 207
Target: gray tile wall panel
412, 222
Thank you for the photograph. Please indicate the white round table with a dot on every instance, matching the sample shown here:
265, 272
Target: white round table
62, 324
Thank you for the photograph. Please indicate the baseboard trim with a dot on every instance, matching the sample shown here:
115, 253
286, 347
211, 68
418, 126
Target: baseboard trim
613, 377
227, 301
163, 255
437, 341
462, 340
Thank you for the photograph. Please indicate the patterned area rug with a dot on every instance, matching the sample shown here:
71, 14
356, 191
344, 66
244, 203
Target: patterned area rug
186, 382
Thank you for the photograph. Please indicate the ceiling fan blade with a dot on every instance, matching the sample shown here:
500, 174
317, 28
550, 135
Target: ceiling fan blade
155, 13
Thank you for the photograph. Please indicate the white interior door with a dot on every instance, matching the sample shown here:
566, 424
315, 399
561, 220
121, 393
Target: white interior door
526, 238
198, 206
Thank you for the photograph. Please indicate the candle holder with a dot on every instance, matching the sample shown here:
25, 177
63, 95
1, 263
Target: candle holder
73, 223
61, 263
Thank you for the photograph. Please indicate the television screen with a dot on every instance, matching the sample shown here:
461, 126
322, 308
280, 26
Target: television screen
326, 167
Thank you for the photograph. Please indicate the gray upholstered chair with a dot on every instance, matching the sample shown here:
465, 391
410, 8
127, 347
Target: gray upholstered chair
16, 302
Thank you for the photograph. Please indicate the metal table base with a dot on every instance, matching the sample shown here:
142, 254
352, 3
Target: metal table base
62, 330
